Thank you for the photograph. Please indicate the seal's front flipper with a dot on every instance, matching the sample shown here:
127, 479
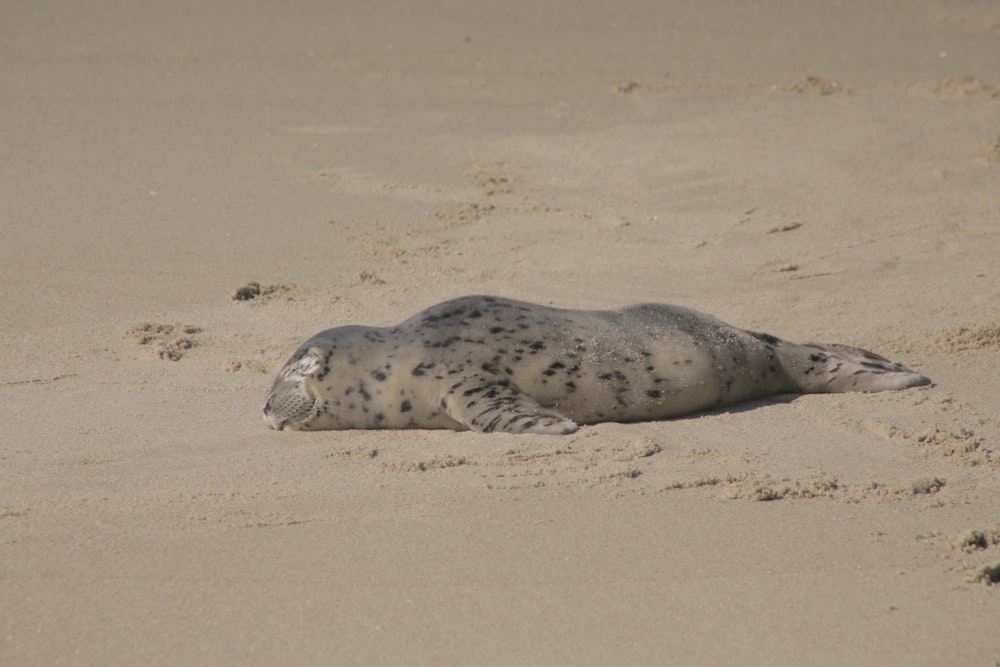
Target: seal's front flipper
487, 404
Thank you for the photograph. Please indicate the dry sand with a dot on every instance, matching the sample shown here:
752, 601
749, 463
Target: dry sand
826, 173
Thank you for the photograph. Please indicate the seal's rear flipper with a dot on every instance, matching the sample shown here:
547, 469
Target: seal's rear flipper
487, 404
830, 367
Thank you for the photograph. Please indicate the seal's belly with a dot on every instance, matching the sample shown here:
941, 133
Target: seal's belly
644, 385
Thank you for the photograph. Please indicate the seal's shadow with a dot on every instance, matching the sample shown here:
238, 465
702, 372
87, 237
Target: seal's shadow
746, 406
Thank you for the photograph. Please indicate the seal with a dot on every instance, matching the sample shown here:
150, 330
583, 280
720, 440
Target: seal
486, 363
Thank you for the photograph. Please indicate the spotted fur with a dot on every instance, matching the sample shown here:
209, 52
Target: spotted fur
491, 364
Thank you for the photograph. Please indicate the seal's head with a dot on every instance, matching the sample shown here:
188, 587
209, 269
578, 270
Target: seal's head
290, 405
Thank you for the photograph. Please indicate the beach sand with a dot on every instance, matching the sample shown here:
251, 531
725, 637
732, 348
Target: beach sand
825, 173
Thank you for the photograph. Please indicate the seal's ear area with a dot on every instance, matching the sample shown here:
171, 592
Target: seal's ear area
306, 363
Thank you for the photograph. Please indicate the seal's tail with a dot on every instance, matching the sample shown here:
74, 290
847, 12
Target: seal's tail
830, 368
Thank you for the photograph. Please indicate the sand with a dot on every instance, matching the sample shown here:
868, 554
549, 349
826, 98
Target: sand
824, 171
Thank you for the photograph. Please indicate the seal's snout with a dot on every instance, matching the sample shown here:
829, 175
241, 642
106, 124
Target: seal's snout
269, 417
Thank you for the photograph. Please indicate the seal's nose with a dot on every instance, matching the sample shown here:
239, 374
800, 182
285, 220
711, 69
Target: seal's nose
270, 418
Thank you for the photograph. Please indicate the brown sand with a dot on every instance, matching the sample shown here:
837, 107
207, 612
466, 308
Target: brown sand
828, 173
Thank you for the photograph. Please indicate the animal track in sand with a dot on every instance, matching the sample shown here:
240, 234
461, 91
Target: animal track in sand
962, 446
813, 85
172, 341
971, 552
253, 291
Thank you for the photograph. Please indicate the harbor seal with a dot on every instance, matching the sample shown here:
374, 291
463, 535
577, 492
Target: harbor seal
486, 363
